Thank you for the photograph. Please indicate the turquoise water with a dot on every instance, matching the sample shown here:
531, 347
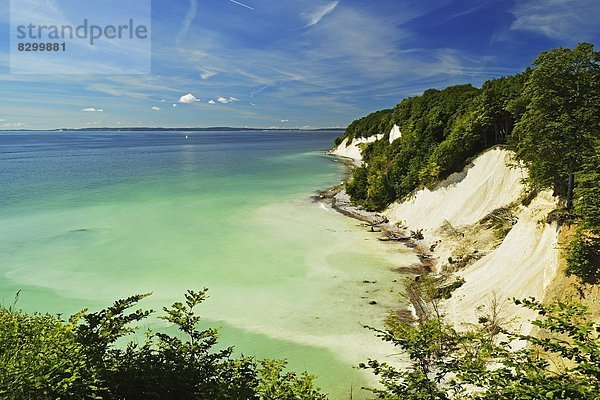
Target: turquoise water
87, 218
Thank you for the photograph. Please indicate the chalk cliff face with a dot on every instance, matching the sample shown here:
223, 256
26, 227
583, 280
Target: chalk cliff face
354, 149
522, 264
395, 133
464, 198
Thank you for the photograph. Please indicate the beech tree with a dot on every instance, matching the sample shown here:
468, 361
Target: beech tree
556, 133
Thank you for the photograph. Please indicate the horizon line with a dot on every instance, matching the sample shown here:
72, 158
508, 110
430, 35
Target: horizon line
159, 128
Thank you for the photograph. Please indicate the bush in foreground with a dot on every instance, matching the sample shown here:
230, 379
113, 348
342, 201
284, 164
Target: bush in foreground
561, 362
43, 357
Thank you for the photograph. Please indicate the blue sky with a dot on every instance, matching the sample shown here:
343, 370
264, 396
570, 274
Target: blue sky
295, 63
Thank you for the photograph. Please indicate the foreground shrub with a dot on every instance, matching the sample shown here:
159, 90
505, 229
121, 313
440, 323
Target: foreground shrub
43, 357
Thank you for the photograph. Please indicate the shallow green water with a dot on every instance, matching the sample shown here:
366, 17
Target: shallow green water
89, 218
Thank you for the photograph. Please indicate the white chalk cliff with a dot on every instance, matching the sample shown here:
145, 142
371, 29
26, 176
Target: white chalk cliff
355, 147
525, 262
353, 150
395, 133
464, 198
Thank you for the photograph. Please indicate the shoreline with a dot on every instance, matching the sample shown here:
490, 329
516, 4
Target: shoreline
465, 229
336, 198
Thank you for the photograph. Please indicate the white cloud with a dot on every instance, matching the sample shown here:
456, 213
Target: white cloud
224, 100
316, 16
156, 108
92, 109
174, 105
188, 98
561, 19
163, 100
207, 74
285, 120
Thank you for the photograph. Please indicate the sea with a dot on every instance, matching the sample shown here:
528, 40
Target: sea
87, 218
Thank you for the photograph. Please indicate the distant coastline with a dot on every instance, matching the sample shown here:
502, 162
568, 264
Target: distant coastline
146, 129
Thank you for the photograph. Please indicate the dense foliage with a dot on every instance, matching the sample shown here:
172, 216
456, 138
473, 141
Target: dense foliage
441, 130
43, 357
556, 134
372, 124
584, 253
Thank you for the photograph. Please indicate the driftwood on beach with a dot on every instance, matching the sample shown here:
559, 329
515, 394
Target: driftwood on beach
394, 237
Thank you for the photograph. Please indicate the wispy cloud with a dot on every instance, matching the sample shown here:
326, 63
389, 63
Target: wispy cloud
206, 74
92, 109
242, 4
156, 108
187, 21
316, 16
568, 20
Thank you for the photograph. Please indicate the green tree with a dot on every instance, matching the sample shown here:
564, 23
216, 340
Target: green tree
358, 184
378, 122
561, 362
169, 366
583, 256
496, 109
588, 191
464, 140
430, 347
557, 131
277, 384
40, 359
